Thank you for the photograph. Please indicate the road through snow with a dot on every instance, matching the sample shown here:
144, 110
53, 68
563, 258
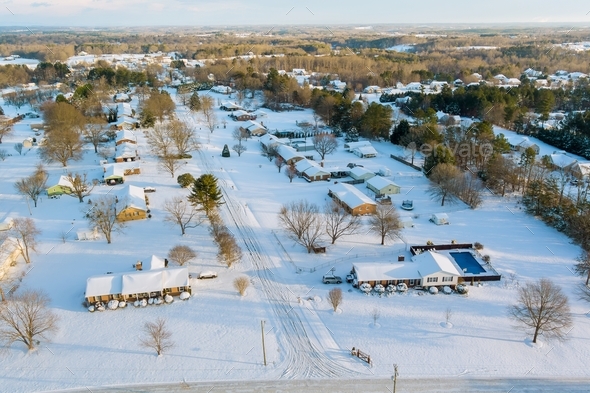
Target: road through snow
305, 358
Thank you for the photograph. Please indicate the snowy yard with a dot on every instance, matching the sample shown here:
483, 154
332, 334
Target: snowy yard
217, 332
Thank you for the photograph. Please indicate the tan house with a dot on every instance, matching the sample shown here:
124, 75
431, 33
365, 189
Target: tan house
352, 199
382, 186
579, 170
9, 253
132, 204
289, 155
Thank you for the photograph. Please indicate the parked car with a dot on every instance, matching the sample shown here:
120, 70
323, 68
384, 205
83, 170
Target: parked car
352, 165
349, 278
332, 280
149, 189
207, 274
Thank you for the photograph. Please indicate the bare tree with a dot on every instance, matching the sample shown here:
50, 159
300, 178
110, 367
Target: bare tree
182, 213
106, 152
19, 148
385, 222
182, 137
337, 222
582, 268
24, 234
62, 145
448, 315
241, 284
303, 222
375, 314
3, 154
181, 254
291, 172
103, 216
270, 151
239, 148
159, 140
94, 133
542, 307
239, 134
5, 129
279, 162
27, 318
80, 185
325, 144
209, 118
170, 163
335, 297
157, 336
445, 178
33, 185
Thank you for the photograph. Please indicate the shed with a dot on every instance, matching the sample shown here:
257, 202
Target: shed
382, 186
440, 219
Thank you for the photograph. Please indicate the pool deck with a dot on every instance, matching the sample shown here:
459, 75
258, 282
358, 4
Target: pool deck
489, 273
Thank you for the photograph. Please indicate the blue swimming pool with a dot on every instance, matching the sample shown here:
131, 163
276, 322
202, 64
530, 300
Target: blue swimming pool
467, 262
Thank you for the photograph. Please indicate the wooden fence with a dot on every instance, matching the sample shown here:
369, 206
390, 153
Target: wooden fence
400, 159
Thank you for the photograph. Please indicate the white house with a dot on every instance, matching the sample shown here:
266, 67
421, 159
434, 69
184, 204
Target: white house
425, 269
560, 160
382, 186
125, 136
124, 109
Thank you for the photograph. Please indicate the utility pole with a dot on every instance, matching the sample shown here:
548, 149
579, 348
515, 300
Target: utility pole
394, 376
263, 348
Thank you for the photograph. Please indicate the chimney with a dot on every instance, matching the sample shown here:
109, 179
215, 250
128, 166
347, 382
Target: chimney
138, 265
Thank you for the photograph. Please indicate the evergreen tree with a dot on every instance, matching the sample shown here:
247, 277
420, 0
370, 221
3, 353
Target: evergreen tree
195, 102
440, 155
205, 194
399, 132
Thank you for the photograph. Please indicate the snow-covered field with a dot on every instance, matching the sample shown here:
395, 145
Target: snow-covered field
217, 332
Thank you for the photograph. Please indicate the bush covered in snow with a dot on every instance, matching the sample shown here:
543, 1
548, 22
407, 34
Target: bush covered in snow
478, 246
462, 289
433, 290
184, 295
447, 290
113, 305
168, 299
402, 287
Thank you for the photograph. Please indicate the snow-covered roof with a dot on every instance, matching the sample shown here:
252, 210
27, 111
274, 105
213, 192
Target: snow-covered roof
304, 164
379, 182
124, 109
366, 150
239, 112
350, 195
269, 139
126, 149
125, 120
132, 196
175, 277
113, 170
315, 170
430, 262
561, 160
108, 284
288, 153
385, 271
126, 135
141, 282
354, 145
64, 182
230, 105
252, 125
441, 216
359, 171
153, 263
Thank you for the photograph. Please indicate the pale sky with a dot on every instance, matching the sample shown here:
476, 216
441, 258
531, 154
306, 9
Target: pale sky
269, 12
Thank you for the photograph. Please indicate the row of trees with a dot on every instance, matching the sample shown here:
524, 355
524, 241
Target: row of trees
307, 225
